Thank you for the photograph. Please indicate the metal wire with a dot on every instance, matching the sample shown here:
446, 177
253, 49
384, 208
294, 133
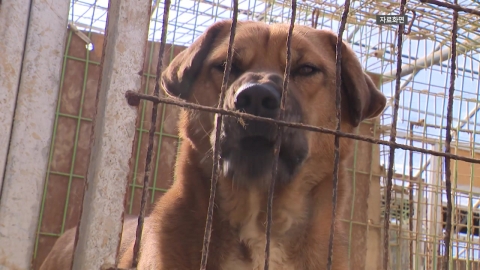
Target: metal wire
429, 10
410, 24
151, 136
455, 6
448, 138
278, 140
393, 137
338, 102
315, 14
134, 98
216, 145
52, 147
410, 198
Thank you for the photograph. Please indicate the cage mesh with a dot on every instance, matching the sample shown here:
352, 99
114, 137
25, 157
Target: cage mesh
421, 116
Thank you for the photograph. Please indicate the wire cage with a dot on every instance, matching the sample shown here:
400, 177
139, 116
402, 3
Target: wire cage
416, 198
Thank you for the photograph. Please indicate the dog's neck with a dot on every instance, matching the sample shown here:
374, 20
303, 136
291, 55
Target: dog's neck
242, 211
297, 212
238, 204
292, 202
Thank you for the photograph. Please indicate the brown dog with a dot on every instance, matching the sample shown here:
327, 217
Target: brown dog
302, 204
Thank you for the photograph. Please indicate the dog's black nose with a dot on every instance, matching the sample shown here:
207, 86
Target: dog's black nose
258, 99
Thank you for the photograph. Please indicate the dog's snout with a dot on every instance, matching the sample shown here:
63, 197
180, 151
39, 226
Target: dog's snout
258, 99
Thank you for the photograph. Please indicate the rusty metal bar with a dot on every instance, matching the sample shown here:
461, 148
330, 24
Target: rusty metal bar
448, 138
410, 24
315, 14
134, 99
393, 137
151, 136
410, 197
338, 101
278, 139
216, 145
455, 6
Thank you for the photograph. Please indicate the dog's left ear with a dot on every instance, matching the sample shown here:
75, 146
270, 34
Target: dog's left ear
365, 100
179, 76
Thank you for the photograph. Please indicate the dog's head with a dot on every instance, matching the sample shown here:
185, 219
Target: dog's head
255, 87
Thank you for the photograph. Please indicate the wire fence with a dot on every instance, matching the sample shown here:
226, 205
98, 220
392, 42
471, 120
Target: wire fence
392, 144
133, 99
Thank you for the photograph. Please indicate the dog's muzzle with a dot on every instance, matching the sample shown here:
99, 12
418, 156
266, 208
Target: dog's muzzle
248, 145
260, 99
258, 95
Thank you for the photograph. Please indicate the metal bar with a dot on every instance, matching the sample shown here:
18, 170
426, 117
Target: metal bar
434, 58
87, 26
400, 134
151, 136
142, 121
424, 167
216, 145
429, 113
434, 194
466, 120
374, 48
459, 129
419, 218
30, 71
278, 139
466, 219
154, 7
338, 100
408, 80
78, 119
354, 32
99, 231
356, 171
455, 6
448, 140
415, 72
161, 134
410, 198
134, 98
393, 132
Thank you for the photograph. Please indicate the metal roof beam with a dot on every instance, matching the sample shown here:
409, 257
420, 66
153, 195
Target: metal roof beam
433, 58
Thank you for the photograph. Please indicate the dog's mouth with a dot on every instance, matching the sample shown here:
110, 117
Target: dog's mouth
247, 145
248, 155
256, 144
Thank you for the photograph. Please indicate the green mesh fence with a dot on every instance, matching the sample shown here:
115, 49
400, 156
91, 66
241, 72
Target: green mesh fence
74, 171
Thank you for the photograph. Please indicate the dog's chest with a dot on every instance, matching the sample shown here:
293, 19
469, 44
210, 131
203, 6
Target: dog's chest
252, 235
278, 260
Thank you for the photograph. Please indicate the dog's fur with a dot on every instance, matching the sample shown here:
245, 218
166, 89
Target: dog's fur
302, 206
60, 257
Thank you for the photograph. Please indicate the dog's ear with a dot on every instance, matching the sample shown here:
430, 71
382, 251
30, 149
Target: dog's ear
364, 99
179, 76
363, 96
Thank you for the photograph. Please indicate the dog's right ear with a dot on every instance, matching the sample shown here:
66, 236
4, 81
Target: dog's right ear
179, 76
364, 99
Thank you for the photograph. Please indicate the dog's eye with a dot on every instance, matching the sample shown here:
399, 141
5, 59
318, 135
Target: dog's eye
221, 67
306, 70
